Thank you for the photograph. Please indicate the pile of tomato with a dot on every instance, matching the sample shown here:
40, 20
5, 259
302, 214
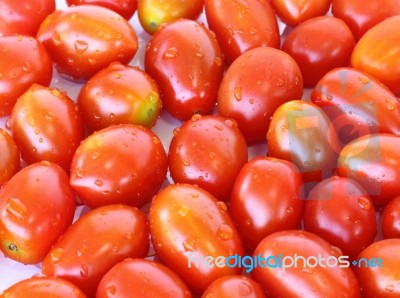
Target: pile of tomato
261, 129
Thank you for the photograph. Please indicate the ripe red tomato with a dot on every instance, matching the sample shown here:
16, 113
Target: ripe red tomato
187, 224
119, 164
138, 278
391, 219
24, 61
252, 99
95, 243
36, 207
9, 157
119, 94
125, 8
257, 211
84, 39
185, 60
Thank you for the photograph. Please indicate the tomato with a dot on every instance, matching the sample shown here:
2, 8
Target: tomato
120, 94
378, 53
379, 268
44, 288
252, 100
296, 260
318, 46
119, 164
185, 60
357, 104
84, 39
208, 151
95, 243
374, 162
242, 25
234, 286
9, 157
125, 8
23, 18
24, 61
141, 278
46, 125
391, 219
188, 227
153, 13
257, 211
294, 12
36, 206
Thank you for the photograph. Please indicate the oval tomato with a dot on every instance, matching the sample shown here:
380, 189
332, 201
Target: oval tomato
9, 157
391, 219
234, 286
36, 207
125, 8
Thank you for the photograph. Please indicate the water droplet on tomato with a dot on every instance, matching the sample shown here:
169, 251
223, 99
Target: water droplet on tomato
245, 289
186, 162
26, 66
218, 61
98, 182
16, 208
111, 291
170, 53
189, 245
364, 79
225, 232
117, 75
50, 116
79, 172
80, 46
364, 203
390, 104
290, 210
81, 251
56, 255
56, 38
238, 93
176, 131
183, 211
84, 271
222, 205
96, 155
219, 127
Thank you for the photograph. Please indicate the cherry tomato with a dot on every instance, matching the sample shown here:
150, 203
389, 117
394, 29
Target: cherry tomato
24, 61
252, 99
119, 164
185, 60
120, 94
378, 53
84, 39
36, 206
9, 157
95, 243
125, 8
391, 219
137, 278
259, 211
188, 224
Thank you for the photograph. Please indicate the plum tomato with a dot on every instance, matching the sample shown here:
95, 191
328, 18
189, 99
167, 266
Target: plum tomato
139, 278
267, 197
242, 25
125, 8
252, 99
390, 219
208, 151
193, 233
9, 157
119, 164
185, 60
119, 94
319, 45
84, 39
37, 205
24, 61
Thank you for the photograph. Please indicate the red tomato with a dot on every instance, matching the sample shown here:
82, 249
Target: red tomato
188, 224
95, 243
9, 157
84, 39
24, 61
318, 46
120, 94
125, 8
119, 164
185, 60
378, 53
258, 212
391, 219
208, 151
137, 278
252, 99
378, 269
312, 276
46, 125
242, 25
36, 207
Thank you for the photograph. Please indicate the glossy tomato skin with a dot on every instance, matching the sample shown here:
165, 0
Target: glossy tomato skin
374, 162
46, 125
139, 278
208, 151
125, 8
9, 157
242, 25
357, 104
300, 281
187, 224
120, 94
372, 56
24, 61
390, 219
97, 241
185, 60
32, 218
267, 197
252, 99
119, 164
319, 45
84, 39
